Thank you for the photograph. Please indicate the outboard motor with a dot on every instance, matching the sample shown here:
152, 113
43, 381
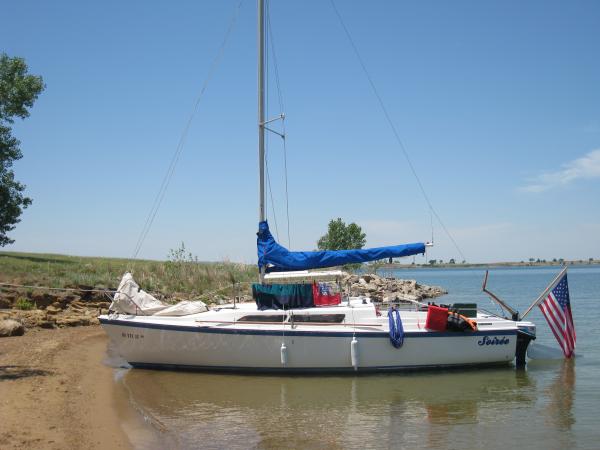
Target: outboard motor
525, 334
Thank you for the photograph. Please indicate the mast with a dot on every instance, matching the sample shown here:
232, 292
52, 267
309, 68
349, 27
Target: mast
261, 114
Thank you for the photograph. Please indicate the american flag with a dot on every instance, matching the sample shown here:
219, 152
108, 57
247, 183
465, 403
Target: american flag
556, 307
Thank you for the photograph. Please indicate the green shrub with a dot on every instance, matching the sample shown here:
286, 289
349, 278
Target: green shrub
24, 304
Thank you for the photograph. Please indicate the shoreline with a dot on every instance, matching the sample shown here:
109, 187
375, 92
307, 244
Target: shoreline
56, 392
496, 265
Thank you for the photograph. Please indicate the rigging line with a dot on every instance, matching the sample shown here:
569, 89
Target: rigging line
268, 135
271, 195
176, 155
275, 65
431, 220
281, 110
393, 127
287, 203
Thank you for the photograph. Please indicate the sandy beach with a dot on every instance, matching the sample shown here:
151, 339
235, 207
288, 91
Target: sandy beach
56, 393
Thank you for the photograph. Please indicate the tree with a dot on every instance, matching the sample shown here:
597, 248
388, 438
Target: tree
451, 261
340, 236
18, 92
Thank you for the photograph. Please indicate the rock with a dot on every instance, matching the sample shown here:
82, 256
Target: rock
371, 287
246, 298
85, 293
31, 318
10, 327
96, 305
5, 303
42, 299
367, 278
81, 290
77, 306
65, 300
53, 309
358, 289
390, 289
70, 321
7, 299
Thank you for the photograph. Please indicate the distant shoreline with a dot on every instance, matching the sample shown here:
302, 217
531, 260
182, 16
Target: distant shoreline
595, 262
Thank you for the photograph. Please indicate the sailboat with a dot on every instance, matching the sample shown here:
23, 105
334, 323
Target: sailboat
297, 324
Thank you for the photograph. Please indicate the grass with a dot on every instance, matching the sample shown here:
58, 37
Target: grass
181, 276
24, 304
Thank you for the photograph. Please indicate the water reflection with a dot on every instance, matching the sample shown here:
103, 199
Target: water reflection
561, 397
420, 409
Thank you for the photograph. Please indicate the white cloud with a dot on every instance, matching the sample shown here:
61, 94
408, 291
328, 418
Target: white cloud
585, 167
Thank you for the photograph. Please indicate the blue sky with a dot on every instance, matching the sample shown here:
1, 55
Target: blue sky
497, 103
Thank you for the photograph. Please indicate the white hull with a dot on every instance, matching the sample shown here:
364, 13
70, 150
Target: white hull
201, 344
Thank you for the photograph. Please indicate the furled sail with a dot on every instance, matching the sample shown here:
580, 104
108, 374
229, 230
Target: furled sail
277, 258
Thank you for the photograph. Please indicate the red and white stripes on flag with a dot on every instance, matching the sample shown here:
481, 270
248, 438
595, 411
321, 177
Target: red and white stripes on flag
556, 307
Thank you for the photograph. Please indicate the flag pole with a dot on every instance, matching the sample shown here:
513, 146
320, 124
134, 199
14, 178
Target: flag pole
546, 291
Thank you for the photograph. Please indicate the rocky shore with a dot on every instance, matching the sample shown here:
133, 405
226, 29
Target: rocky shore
388, 290
50, 309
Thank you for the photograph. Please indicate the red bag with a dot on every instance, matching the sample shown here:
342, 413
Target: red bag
437, 318
322, 299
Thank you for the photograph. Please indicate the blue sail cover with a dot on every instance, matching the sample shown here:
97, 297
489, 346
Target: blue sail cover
277, 258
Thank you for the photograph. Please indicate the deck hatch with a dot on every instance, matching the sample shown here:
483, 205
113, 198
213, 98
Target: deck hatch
321, 318
262, 318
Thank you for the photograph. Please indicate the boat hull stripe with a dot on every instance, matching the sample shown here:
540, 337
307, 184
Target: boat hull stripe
314, 370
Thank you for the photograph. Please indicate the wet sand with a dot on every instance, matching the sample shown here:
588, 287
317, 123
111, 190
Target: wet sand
56, 393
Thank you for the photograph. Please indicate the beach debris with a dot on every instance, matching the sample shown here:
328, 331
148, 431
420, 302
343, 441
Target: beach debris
10, 327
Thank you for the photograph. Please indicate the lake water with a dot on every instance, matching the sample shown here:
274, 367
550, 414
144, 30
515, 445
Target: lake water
553, 404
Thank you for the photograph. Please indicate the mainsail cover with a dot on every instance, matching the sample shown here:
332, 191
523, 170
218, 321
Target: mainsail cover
277, 258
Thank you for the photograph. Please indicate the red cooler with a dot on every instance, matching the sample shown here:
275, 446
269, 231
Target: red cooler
437, 318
